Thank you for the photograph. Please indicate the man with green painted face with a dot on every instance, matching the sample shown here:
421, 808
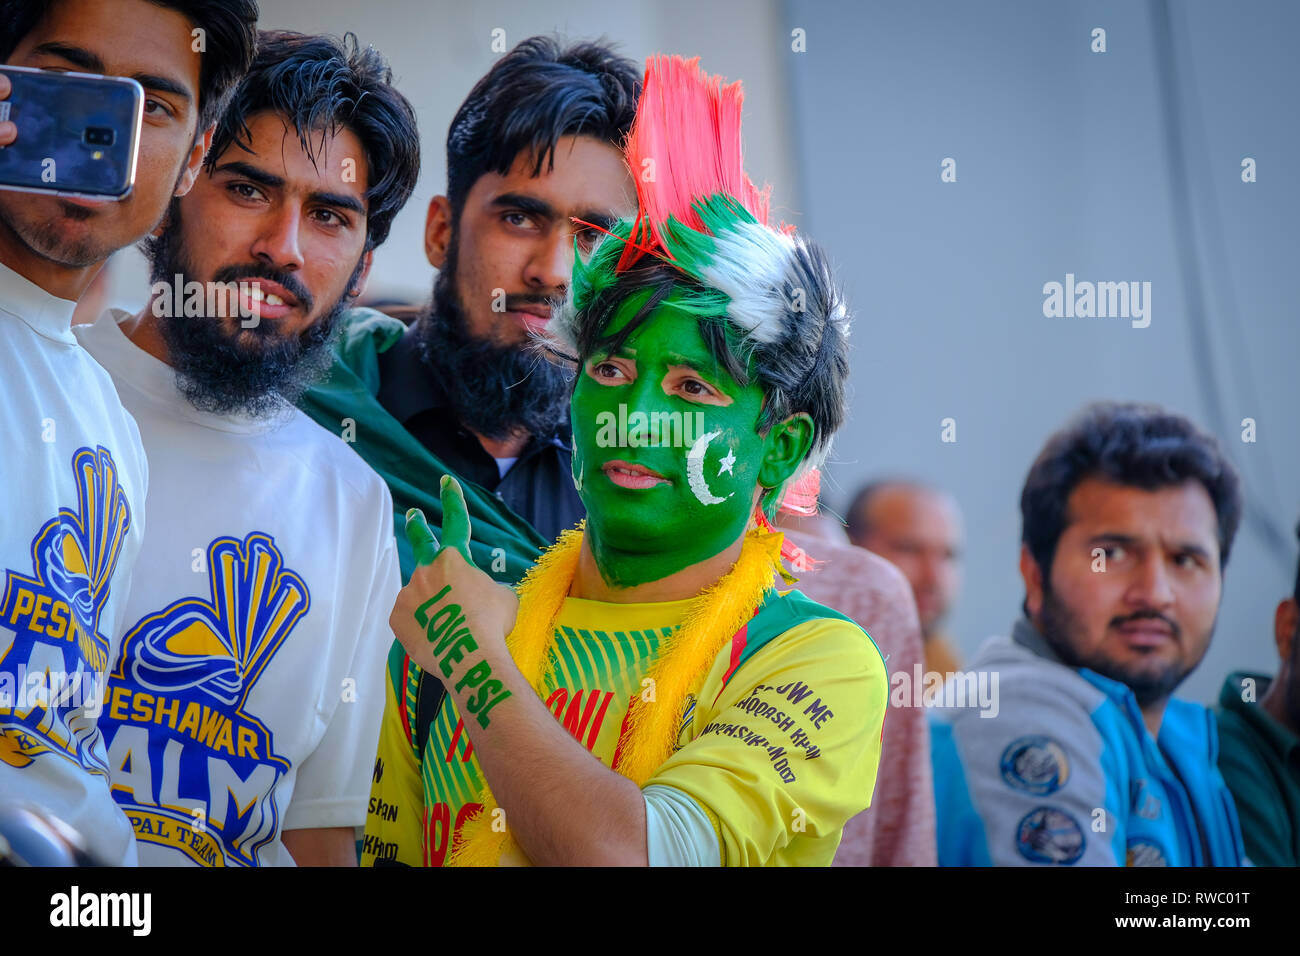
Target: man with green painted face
732, 724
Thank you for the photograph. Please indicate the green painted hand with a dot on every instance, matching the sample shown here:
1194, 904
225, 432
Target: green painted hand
455, 526
451, 618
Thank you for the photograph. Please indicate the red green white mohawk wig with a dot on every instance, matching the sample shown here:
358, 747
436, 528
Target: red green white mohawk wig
767, 301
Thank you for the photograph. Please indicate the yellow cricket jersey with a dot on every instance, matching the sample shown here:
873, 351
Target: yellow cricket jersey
779, 744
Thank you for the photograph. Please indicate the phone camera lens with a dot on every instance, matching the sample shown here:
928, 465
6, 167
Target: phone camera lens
98, 136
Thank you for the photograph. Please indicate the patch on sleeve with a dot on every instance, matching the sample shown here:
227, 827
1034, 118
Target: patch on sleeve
1035, 764
1145, 853
1048, 835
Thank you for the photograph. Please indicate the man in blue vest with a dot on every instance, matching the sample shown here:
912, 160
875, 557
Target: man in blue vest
1128, 517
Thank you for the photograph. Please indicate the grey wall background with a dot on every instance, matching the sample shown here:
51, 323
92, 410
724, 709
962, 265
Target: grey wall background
1068, 161
1123, 165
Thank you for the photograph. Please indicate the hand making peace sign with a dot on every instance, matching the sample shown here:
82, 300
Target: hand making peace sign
450, 611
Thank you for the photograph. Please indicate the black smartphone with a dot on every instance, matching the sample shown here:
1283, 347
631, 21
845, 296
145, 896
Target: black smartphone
78, 133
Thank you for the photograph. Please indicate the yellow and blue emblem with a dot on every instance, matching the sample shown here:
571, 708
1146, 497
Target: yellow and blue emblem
191, 767
54, 616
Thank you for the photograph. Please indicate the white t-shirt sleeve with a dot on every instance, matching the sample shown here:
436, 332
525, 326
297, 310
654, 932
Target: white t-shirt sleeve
334, 782
678, 832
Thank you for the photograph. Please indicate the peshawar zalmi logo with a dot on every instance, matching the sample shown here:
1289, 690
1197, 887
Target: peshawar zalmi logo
191, 768
50, 621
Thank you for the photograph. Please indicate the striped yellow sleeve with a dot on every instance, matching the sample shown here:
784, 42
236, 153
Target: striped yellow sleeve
393, 827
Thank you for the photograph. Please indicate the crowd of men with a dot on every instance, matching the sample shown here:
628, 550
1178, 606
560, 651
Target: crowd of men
211, 520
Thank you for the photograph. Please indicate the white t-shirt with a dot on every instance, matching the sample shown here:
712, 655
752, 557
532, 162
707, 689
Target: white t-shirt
73, 476
248, 692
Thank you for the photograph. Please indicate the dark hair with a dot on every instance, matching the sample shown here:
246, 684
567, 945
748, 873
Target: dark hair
325, 84
803, 368
229, 36
532, 96
1129, 444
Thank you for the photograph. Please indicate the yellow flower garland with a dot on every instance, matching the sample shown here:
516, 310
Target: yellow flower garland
683, 661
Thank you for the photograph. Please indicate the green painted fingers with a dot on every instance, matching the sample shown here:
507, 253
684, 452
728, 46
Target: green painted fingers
455, 526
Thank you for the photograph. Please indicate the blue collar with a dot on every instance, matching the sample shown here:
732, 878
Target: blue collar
1186, 729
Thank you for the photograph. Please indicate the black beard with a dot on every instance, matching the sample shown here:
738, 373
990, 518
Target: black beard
494, 391
1058, 625
215, 371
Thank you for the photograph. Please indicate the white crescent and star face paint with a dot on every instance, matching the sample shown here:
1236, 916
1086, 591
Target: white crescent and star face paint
695, 470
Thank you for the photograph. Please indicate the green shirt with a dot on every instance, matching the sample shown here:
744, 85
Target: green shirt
1260, 760
346, 403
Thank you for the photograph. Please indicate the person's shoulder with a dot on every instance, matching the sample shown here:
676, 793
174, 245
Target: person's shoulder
361, 336
89, 337
368, 325
333, 459
791, 623
1240, 742
784, 610
364, 318
1021, 666
1238, 714
1030, 686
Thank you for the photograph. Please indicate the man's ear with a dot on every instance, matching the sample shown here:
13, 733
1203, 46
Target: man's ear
359, 286
1033, 578
437, 231
784, 449
1285, 619
194, 163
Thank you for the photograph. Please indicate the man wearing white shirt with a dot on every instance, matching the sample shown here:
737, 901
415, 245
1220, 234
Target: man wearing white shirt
242, 711
73, 474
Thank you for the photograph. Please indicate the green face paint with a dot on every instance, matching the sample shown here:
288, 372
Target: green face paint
667, 446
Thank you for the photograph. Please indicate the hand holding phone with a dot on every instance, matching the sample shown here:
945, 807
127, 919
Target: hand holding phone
8, 131
69, 134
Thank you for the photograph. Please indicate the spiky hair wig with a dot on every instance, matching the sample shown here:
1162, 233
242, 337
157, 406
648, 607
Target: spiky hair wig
766, 299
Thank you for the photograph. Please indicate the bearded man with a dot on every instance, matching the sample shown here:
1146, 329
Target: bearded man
534, 147
243, 707
731, 724
1128, 516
